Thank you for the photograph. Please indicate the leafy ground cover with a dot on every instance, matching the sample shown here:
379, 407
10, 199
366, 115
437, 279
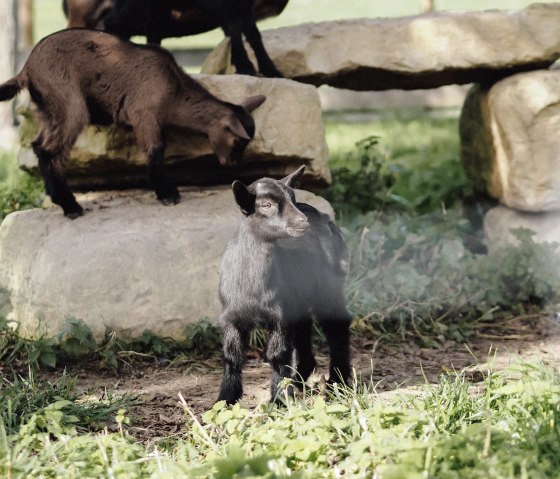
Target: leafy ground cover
500, 425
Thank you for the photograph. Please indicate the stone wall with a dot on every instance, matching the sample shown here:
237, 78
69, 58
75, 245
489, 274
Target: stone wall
421, 51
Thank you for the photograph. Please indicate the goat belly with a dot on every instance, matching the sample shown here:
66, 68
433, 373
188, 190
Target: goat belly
98, 114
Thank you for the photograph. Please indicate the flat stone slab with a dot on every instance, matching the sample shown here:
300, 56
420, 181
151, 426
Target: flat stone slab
289, 133
129, 263
422, 51
510, 142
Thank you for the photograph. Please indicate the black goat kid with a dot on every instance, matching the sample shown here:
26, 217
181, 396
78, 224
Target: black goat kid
284, 267
158, 19
80, 76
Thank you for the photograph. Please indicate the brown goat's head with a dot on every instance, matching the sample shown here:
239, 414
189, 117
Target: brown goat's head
230, 135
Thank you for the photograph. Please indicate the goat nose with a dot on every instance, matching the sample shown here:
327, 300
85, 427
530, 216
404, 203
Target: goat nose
303, 222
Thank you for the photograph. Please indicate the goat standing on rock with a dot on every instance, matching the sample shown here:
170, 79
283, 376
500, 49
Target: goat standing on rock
76, 77
158, 19
285, 266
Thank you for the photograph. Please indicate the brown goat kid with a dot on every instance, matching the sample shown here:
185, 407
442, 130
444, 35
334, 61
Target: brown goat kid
77, 77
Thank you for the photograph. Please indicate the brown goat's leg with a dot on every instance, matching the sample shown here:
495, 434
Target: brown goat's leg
56, 187
148, 136
166, 192
63, 121
52, 171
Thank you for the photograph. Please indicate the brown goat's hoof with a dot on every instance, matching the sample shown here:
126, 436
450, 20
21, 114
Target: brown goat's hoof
74, 214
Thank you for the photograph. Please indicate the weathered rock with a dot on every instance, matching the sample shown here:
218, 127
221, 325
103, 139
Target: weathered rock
422, 51
289, 132
499, 222
449, 96
509, 140
130, 263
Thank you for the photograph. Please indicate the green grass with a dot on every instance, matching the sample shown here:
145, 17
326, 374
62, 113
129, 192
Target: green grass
22, 398
18, 190
419, 150
505, 427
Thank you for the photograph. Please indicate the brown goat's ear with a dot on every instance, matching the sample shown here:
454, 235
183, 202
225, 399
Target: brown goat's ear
236, 127
244, 199
293, 180
253, 102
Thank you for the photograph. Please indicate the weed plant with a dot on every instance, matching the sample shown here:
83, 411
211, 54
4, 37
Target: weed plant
419, 266
18, 190
75, 342
58, 402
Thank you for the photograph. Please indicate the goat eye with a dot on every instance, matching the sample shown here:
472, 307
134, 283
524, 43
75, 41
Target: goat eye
266, 205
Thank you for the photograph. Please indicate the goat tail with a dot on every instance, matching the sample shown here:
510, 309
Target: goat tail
11, 88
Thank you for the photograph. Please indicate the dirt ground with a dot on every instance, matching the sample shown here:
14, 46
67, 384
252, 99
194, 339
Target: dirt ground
391, 367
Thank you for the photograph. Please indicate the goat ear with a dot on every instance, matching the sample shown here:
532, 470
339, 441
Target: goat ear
253, 102
238, 129
244, 199
293, 180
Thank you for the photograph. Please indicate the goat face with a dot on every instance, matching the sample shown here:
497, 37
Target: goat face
271, 207
230, 135
229, 138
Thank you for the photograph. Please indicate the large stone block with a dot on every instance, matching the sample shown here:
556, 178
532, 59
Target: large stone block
422, 51
510, 144
501, 220
130, 263
289, 132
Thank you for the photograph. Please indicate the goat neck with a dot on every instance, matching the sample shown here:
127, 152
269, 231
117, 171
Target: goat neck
197, 109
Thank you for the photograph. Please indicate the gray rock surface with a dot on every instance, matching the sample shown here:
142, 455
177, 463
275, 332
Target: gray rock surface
510, 144
130, 263
422, 51
499, 222
289, 132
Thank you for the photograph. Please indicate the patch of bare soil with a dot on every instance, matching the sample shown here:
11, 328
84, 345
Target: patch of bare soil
390, 367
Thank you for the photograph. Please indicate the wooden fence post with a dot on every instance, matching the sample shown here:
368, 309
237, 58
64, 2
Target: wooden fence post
25, 22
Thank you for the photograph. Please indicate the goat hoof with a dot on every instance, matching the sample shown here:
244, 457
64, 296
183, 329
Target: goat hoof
272, 74
283, 395
170, 200
74, 214
246, 71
